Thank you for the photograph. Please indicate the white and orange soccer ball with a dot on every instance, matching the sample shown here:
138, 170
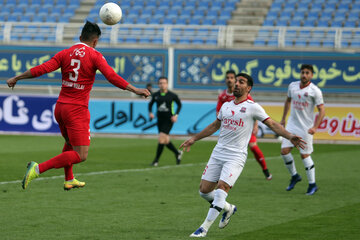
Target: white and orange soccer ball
110, 13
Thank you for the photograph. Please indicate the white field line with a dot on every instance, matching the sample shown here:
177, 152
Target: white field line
125, 171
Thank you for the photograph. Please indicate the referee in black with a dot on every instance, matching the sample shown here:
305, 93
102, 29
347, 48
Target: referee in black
166, 116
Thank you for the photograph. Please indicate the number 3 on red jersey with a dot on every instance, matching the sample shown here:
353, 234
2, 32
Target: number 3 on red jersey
74, 76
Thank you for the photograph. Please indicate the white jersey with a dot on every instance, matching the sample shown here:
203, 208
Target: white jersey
237, 122
303, 102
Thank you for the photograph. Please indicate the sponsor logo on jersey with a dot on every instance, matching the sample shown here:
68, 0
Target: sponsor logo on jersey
229, 121
78, 52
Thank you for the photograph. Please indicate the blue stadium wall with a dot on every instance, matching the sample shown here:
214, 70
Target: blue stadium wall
200, 69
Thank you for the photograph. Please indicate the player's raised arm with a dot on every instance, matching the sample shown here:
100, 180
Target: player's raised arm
280, 130
138, 91
209, 130
46, 67
117, 80
11, 82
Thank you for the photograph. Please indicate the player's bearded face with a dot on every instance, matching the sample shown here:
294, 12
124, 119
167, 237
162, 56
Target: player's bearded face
305, 76
241, 87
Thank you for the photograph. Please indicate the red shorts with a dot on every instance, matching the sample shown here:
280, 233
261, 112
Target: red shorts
74, 121
253, 138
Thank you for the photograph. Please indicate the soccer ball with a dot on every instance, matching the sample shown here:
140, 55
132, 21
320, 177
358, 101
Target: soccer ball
110, 13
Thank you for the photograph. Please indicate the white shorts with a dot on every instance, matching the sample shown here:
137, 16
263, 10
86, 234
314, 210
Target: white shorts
308, 138
221, 167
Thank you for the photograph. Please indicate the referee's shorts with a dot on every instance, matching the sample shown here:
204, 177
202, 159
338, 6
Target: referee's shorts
164, 125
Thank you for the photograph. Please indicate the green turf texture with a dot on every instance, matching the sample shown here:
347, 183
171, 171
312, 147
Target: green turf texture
125, 198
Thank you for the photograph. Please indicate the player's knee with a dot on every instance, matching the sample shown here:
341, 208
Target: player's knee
223, 186
285, 151
83, 157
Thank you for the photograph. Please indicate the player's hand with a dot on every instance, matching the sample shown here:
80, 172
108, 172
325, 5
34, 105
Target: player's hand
298, 142
186, 145
151, 116
11, 82
174, 118
142, 92
312, 131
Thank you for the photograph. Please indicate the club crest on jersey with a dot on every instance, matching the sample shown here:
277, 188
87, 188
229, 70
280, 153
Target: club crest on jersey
243, 109
306, 94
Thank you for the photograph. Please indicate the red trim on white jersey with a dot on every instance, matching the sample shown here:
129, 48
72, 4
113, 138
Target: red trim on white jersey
265, 119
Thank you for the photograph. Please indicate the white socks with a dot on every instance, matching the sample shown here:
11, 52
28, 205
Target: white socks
214, 211
289, 163
310, 169
208, 196
308, 163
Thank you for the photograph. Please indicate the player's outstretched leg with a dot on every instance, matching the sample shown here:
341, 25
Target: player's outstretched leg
224, 221
267, 174
200, 232
30, 174
73, 184
293, 181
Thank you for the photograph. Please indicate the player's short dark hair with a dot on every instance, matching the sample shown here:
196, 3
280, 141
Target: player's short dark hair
90, 31
307, 66
163, 77
250, 81
230, 72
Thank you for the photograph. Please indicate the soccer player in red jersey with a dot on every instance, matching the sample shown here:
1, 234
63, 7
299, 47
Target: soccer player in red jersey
226, 96
78, 64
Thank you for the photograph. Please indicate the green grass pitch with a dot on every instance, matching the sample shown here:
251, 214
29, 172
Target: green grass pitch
125, 198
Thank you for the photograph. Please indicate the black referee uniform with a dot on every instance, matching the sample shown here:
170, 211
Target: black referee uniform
165, 109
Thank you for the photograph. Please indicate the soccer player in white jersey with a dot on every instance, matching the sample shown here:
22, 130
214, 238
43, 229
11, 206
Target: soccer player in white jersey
302, 96
235, 121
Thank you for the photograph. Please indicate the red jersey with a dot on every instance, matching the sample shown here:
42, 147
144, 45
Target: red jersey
79, 64
224, 96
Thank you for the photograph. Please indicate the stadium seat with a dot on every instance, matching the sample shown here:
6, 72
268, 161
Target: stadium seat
314, 43
198, 42
355, 44
272, 43
300, 42
289, 42
322, 23
281, 23
351, 24
172, 13
157, 40
211, 42
259, 42
309, 23
208, 21
295, 23
328, 43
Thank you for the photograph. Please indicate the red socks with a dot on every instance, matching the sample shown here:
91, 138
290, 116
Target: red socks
65, 159
68, 170
259, 156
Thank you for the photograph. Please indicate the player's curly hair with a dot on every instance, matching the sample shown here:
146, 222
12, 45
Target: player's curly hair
90, 31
